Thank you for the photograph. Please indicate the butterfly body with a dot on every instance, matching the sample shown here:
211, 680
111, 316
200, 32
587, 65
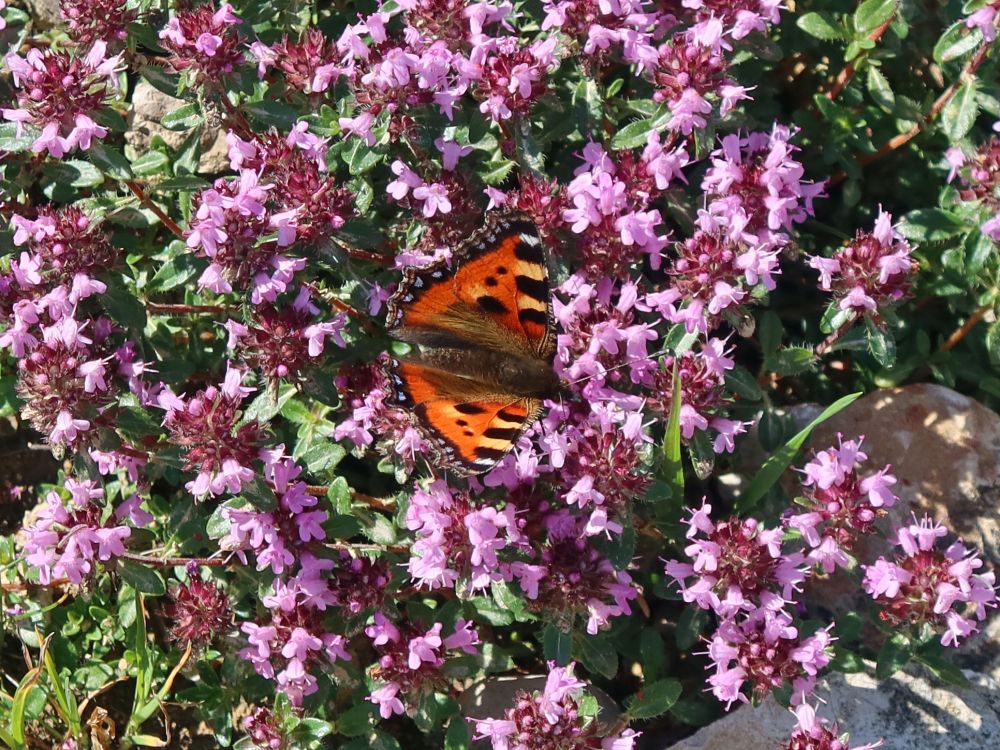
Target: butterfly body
483, 343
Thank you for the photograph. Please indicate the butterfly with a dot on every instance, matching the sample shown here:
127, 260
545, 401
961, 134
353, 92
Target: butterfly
483, 340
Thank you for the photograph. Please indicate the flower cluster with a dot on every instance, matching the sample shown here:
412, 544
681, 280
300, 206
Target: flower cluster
65, 370
89, 21
814, 732
204, 42
217, 446
66, 541
411, 659
980, 177
923, 585
62, 92
872, 272
243, 225
748, 575
282, 341
840, 505
198, 610
551, 719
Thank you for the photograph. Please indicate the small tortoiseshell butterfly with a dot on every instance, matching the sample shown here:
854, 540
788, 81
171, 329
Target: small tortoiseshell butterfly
483, 343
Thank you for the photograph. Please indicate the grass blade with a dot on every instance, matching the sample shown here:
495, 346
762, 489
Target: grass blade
779, 461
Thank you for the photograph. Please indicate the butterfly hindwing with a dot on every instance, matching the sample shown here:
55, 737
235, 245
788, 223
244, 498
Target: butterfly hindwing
467, 430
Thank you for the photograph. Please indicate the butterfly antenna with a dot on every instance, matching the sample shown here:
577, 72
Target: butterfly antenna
628, 363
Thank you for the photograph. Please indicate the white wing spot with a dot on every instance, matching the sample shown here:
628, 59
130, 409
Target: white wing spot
530, 240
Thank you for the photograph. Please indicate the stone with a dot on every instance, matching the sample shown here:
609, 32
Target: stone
149, 105
44, 13
907, 711
944, 449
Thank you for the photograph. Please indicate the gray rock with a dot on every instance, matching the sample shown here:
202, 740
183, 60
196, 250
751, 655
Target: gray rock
44, 13
149, 105
907, 711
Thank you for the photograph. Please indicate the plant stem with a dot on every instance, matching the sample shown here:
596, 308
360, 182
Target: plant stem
845, 75
158, 308
826, 344
967, 326
939, 104
145, 200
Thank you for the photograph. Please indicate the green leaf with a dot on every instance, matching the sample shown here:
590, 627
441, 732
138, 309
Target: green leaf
959, 114
740, 381
272, 113
135, 423
110, 161
557, 645
821, 25
143, 579
956, 42
993, 343
74, 173
174, 273
871, 14
632, 135
185, 117
673, 468
931, 225
942, 668
893, 656
152, 162
11, 142
458, 736
381, 530
356, 720
776, 464
881, 344
690, 625
495, 172
597, 654
880, 90
979, 248
654, 699
168, 83
770, 331
339, 495
652, 652
792, 360
122, 305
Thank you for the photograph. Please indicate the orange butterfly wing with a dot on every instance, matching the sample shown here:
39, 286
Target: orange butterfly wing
500, 275
469, 434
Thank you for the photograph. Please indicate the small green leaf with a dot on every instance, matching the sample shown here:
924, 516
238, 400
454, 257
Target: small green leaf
557, 645
652, 651
690, 625
381, 530
931, 225
597, 654
993, 343
122, 305
776, 464
152, 162
880, 90
356, 720
881, 344
495, 172
143, 579
632, 135
871, 14
821, 25
272, 113
75, 173
654, 699
185, 117
458, 736
792, 360
959, 114
110, 161
174, 273
943, 669
740, 381
893, 656
11, 142
956, 42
